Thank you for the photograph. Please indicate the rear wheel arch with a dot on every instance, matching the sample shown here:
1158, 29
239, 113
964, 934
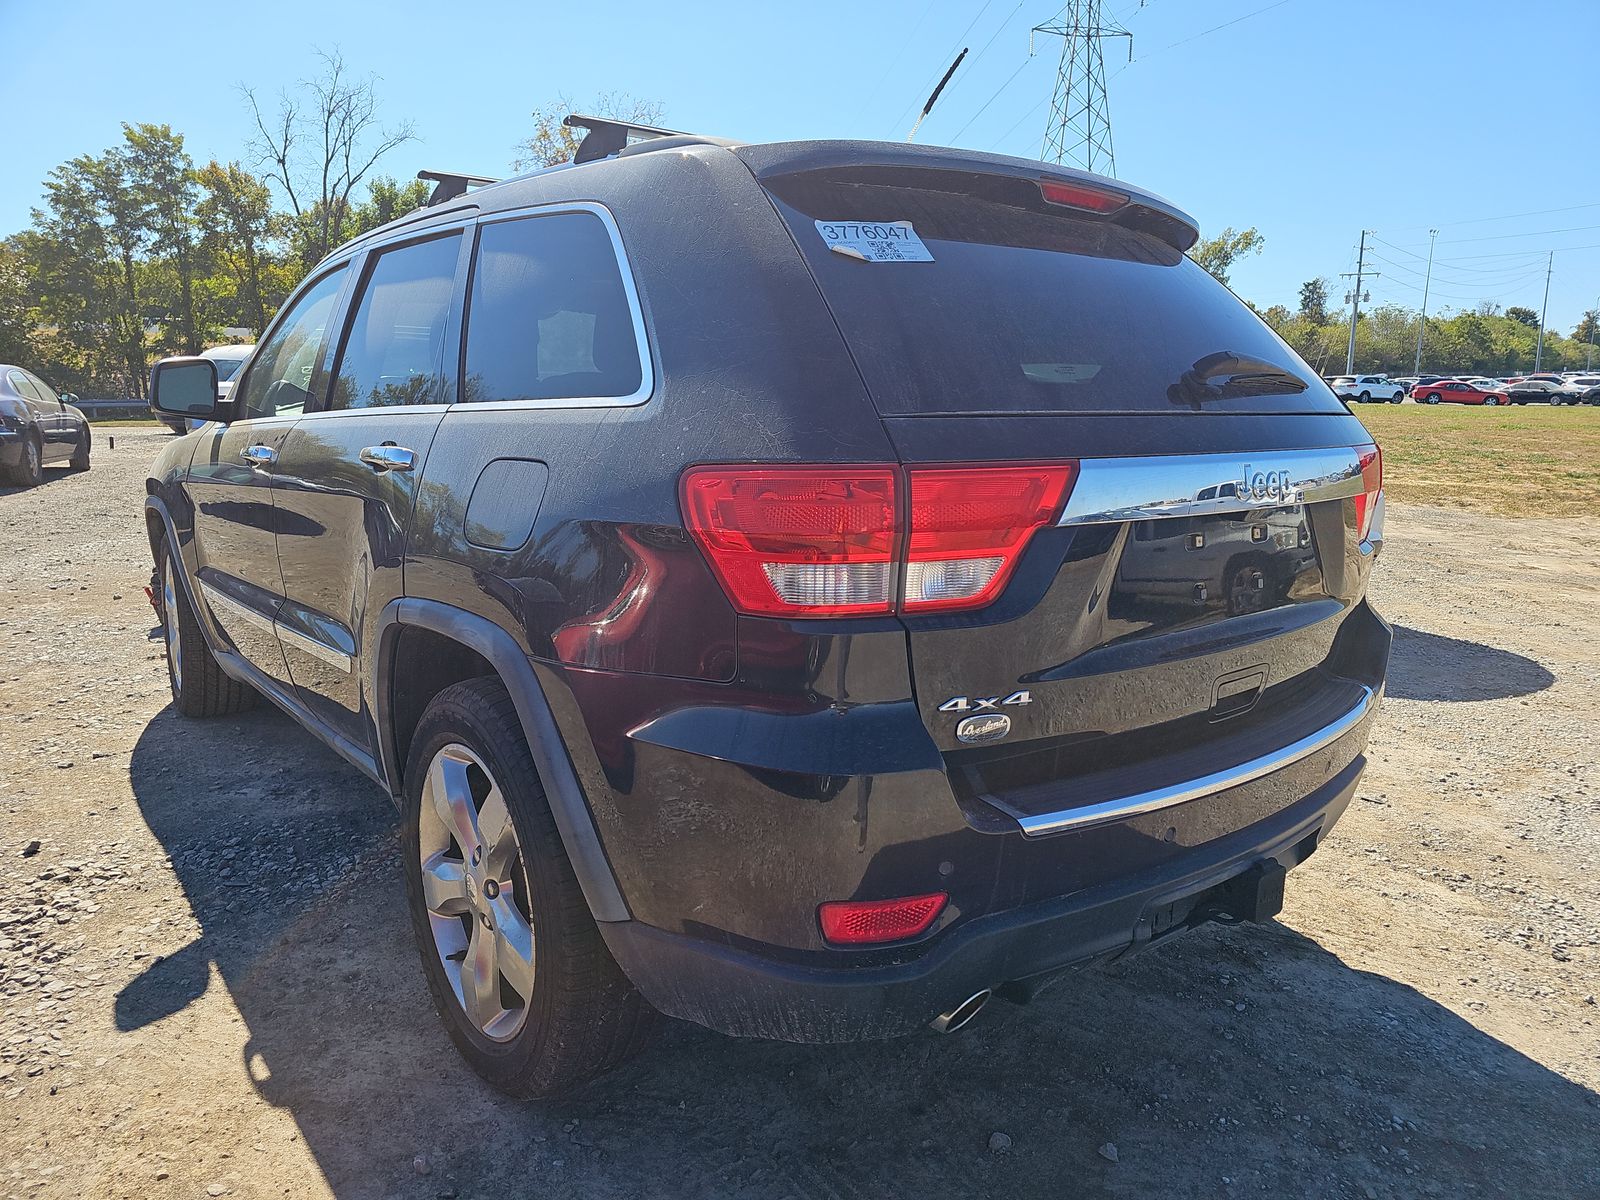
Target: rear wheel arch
481, 648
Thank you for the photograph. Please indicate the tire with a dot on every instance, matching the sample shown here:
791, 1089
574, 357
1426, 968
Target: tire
1491, 400
1399, 397
200, 688
560, 1013
80, 456
1365, 397
29, 471
1433, 397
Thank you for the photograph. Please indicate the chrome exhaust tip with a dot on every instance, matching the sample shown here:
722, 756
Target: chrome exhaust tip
962, 1013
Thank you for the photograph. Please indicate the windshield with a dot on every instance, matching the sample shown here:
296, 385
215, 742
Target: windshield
1020, 306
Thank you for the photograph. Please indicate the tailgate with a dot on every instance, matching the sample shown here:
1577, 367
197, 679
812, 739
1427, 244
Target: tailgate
1179, 617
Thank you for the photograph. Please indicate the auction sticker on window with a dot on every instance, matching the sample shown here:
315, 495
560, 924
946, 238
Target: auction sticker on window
874, 241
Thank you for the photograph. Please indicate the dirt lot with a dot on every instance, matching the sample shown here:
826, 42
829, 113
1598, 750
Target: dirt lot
208, 987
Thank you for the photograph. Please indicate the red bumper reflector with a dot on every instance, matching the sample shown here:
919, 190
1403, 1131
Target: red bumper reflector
1371, 485
863, 922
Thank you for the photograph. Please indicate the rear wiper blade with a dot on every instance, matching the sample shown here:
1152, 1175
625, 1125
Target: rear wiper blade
1225, 375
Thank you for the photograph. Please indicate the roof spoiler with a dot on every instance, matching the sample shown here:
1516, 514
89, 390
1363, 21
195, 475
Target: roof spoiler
608, 136
448, 185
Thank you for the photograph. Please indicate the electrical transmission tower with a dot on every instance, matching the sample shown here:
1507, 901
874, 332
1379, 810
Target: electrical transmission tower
1079, 133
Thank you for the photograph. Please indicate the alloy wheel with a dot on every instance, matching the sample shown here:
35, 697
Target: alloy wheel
474, 883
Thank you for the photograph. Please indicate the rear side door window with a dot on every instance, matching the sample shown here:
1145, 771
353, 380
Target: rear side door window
550, 317
395, 349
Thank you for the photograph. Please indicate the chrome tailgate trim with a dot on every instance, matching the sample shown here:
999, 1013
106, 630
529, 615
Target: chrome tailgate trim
1042, 824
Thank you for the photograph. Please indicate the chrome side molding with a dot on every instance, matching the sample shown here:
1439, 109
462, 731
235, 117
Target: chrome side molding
1041, 824
1185, 485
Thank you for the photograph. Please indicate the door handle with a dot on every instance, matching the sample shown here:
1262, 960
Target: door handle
259, 456
389, 457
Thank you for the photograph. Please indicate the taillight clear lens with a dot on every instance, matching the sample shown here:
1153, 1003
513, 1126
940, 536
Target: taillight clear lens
1371, 484
862, 922
969, 527
797, 541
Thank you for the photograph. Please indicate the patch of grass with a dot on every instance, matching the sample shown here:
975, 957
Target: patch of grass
1521, 461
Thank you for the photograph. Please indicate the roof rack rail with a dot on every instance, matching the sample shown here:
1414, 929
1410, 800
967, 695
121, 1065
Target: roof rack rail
448, 184
607, 135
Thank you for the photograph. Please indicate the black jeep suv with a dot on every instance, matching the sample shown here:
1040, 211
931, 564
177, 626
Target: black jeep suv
804, 589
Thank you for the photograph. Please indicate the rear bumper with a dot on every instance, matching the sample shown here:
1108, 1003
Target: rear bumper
749, 991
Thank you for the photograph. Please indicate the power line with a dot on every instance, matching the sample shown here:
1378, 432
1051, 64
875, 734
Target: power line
905, 43
1500, 237
1012, 78
1207, 32
1538, 212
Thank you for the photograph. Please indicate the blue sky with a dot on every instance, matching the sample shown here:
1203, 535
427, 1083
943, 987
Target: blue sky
1309, 119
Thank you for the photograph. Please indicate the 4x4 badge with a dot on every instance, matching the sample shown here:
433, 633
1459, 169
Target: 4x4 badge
979, 703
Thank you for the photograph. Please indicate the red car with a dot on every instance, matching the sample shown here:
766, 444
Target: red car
1458, 391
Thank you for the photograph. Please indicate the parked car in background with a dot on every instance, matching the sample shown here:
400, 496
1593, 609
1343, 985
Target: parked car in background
1535, 389
1461, 391
1574, 387
38, 428
1412, 382
1366, 388
228, 359
792, 702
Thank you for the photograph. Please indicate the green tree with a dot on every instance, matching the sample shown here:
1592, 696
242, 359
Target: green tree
238, 228
1218, 254
1523, 316
1588, 328
386, 200
551, 142
1314, 301
162, 172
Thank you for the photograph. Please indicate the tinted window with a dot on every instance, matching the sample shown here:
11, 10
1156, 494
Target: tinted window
280, 379
24, 386
549, 317
394, 352
1029, 308
46, 392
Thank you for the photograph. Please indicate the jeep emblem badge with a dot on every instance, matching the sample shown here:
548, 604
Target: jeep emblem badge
987, 727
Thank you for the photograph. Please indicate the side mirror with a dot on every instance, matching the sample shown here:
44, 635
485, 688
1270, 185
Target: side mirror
185, 387
69, 398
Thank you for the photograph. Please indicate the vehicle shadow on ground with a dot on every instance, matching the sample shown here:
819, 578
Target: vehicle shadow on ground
1430, 666
1328, 1081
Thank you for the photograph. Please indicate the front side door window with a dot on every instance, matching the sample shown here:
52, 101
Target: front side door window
283, 376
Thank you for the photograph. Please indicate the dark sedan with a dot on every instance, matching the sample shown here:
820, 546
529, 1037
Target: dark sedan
37, 429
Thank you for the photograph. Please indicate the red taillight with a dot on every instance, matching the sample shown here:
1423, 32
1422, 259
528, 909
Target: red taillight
860, 922
1371, 484
797, 541
807, 541
969, 526
1077, 195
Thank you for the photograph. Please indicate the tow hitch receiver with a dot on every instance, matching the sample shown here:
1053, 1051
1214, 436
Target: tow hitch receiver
1255, 895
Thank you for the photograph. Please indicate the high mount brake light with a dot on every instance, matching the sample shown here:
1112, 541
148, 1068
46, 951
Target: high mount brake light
1078, 195
814, 541
1371, 458
863, 922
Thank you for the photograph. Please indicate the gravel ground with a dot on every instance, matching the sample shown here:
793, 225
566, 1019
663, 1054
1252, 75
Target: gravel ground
208, 987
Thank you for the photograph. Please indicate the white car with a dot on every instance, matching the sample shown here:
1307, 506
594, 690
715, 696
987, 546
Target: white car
1366, 388
229, 360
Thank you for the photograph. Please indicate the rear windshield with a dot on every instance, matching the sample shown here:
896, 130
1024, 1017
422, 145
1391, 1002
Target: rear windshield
1025, 308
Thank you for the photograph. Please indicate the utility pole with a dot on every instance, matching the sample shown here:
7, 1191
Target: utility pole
1422, 325
1355, 300
1079, 132
1588, 363
1538, 352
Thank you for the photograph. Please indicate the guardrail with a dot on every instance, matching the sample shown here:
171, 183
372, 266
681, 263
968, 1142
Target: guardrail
101, 409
